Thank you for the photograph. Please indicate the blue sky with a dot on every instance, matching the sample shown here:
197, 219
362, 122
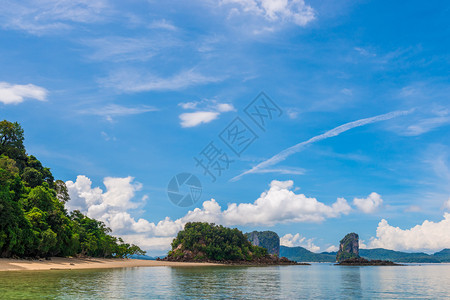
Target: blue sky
118, 98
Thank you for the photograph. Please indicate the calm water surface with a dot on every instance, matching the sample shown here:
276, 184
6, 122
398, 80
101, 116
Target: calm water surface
320, 281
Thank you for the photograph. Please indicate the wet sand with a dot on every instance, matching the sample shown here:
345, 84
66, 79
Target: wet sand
60, 263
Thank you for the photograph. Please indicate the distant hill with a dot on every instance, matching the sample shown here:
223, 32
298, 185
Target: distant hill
443, 256
145, 257
303, 255
398, 256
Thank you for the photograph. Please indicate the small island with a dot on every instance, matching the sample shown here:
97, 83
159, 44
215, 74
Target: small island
207, 242
348, 254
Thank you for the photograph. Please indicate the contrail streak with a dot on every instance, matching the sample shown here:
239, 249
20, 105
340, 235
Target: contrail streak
331, 133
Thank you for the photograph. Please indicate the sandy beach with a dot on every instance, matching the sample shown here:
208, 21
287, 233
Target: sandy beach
60, 263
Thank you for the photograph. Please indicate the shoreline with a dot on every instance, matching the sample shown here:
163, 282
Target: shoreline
63, 263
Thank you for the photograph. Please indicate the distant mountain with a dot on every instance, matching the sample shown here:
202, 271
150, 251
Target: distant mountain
443, 256
303, 255
145, 257
397, 256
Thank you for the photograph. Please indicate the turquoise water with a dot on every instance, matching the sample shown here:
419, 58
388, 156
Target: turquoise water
319, 281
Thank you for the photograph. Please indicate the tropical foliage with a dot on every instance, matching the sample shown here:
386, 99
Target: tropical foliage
33, 218
214, 242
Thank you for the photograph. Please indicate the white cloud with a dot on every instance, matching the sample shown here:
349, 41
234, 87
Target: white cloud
197, 118
364, 52
426, 125
40, 17
225, 107
428, 236
362, 244
281, 205
135, 81
277, 205
332, 248
209, 111
370, 204
297, 240
283, 170
163, 24
447, 205
295, 11
121, 49
189, 105
16, 93
114, 110
347, 92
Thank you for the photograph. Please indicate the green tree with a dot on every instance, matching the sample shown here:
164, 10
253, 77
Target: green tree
11, 142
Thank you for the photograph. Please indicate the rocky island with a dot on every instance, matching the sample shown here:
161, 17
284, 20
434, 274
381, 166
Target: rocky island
348, 254
204, 242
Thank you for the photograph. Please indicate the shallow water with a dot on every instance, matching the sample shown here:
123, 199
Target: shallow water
319, 281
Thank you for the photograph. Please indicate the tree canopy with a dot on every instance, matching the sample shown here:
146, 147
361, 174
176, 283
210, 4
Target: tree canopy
206, 241
33, 219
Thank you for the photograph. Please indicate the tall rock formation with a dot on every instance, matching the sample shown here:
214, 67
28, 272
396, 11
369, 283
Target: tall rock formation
266, 239
349, 247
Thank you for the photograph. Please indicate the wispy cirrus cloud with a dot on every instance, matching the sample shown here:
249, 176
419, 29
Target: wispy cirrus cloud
135, 81
17, 93
42, 17
163, 24
114, 110
120, 49
331, 133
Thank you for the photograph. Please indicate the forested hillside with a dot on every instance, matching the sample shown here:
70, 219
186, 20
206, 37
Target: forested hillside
33, 219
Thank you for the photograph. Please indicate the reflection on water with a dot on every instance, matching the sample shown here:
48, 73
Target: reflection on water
320, 281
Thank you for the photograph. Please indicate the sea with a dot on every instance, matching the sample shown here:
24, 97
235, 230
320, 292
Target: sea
317, 281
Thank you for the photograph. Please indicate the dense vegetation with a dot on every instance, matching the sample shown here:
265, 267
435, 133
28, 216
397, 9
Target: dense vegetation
33, 219
266, 239
204, 241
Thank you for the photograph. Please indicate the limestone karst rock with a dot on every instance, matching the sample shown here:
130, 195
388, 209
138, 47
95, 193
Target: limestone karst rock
349, 247
266, 239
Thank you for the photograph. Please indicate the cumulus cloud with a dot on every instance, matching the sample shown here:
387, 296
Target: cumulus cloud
205, 112
197, 118
277, 205
297, 240
295, 11
16, 93
428, 236
332, 248
281, 205
370, 204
